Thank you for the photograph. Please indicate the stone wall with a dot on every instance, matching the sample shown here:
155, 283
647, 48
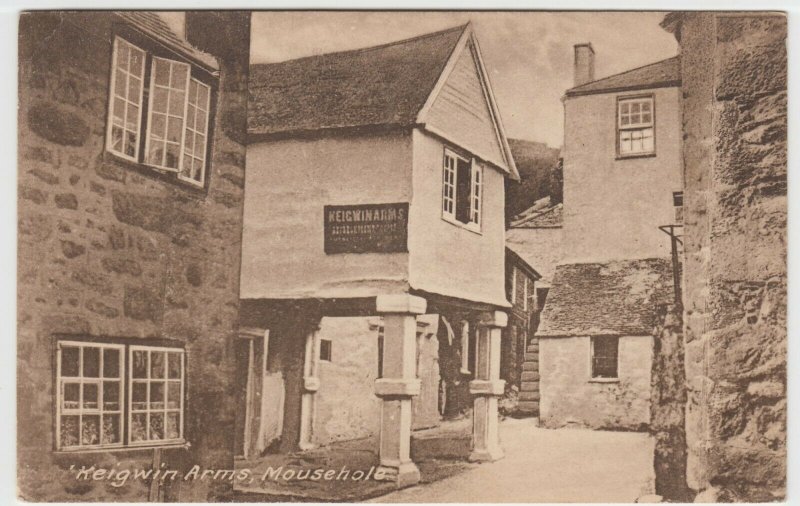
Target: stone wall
734, 120
569, 396
108, 249
668, 406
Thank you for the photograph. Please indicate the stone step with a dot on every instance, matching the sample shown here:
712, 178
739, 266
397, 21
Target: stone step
533, 357
528, 396
529, 376
528, 407
530, 366
529, 386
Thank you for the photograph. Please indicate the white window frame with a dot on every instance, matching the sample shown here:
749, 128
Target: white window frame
80, 380
112, 96
524, 292
181, 410
152, 89
513, 285
450, 186
640, 126
144, 125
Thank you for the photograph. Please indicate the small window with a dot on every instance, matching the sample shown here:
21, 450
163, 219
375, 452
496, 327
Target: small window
677, 202
175, 129
462, 191
541, 298
605, 352
92, 381
635, 126
325, 349
380, 352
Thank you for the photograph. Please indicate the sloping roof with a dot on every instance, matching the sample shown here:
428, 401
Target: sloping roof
375, 86
513, 257
154, 25
655, 75
542, 214
612, 298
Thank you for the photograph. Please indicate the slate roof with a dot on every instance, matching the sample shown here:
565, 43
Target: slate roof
655, 75
384, 85
540, 215
154, 25
612, 298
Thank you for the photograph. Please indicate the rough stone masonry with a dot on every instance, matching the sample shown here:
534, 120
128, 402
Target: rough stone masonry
107, 250
734, 120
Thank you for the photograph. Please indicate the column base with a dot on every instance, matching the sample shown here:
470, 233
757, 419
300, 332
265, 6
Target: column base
486, 455
304, 446
404, 475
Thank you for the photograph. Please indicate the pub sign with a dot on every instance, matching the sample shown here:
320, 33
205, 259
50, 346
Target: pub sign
366, 228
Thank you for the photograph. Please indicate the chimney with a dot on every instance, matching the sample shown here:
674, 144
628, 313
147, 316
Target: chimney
584, 63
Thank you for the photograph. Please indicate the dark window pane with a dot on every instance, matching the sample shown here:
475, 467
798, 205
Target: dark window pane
604, 357
111, 363
173, 426
90, 429
110, 429
157, 395
156, 425
90, 394
139, 395
139, 364
174, 365
69, 361
463, 190
69, 430
156, 364
111, 395
91, 362
174, 395
139, 427
71, 396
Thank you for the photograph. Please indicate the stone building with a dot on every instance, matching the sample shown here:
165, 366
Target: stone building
131, 169
622, 181
518, 348
734, 73
375, 195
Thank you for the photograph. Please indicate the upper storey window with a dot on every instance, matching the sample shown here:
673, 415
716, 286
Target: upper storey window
158, 113
636, 126
462, 191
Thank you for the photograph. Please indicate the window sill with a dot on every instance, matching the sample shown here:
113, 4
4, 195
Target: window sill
475, 229
185, 445
635, 156
604, 380
152, 172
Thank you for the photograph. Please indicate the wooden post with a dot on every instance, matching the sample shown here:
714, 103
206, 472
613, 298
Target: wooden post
310, 387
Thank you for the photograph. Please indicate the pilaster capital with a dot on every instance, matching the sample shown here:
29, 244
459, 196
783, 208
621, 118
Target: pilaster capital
311, 384
397, 387
401, 303
494, 319
487, 387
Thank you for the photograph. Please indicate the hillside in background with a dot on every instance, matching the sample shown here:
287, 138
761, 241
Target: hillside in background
535, 162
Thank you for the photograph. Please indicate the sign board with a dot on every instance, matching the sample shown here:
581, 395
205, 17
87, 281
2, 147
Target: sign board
366, 228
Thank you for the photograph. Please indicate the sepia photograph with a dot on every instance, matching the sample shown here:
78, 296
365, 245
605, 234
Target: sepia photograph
428, 256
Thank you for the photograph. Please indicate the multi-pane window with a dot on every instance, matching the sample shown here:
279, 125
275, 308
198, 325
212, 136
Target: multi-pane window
462, 190
126, 100
90, 392
175, 129
605, 353
156, 400
635, 124
92, 381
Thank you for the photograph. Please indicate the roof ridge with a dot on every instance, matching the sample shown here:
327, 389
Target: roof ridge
676, 57
523, 221
370, 48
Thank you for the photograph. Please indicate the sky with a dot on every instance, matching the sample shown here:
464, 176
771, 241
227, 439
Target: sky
528, 55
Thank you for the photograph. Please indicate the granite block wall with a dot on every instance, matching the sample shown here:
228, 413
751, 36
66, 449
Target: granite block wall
110, 250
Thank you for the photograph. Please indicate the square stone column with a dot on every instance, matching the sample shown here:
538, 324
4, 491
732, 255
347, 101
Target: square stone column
398, 385
310, 387
487, 387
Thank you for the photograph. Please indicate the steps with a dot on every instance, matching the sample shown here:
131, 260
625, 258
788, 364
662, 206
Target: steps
529, 386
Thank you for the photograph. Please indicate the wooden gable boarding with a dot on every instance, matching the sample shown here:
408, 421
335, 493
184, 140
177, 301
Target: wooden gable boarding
461, 108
